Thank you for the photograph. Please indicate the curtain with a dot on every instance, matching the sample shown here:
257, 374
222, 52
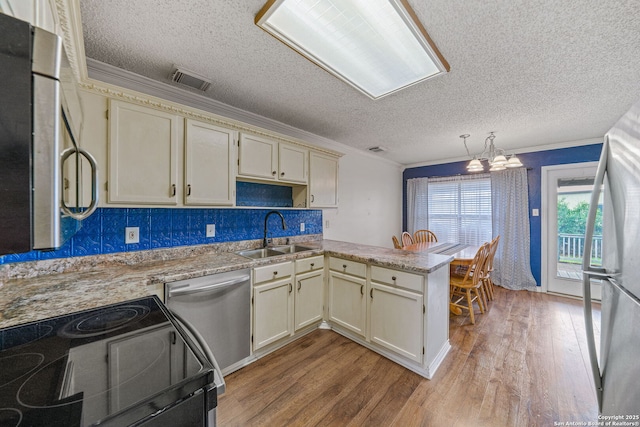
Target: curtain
510, 217
417, 197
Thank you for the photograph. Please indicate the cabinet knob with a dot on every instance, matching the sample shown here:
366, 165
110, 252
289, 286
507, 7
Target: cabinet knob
361, 289
275, 273
188, 189
290, 288
371, 293
173, 190
344, 266
393, 278
312, 264
281, 173
273, 173
299, 285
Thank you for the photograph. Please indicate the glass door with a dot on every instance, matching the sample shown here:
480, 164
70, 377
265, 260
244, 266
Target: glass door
567, 193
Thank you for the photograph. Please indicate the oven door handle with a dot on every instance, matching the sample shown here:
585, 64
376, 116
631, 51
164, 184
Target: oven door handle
217, 372
188, 289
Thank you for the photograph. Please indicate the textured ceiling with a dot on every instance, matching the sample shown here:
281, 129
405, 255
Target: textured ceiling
536, 72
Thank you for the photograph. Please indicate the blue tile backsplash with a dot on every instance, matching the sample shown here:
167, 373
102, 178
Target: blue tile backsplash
255, 194
104, 231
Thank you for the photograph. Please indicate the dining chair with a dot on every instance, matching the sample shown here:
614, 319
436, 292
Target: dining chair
396, 242
406, 238
488, 268
424, 236
468, 289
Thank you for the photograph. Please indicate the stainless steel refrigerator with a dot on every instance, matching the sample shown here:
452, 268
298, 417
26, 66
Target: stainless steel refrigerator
617, 372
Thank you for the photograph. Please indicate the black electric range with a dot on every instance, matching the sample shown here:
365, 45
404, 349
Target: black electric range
124, 364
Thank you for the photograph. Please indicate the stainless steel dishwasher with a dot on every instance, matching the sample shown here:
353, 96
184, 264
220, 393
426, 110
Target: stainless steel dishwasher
219, 307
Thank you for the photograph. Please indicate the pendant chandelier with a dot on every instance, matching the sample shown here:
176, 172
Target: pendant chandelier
496, 157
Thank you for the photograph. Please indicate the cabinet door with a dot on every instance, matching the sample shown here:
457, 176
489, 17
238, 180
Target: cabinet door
396, 320
257, 157
323, 181
293, 163
142, 155
309, 299
347, 303
209, 158
272, 312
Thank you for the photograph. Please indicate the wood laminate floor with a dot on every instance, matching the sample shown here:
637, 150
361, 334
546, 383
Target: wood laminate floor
524, 363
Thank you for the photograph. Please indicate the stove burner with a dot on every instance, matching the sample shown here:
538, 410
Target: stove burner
17, 366
10, 417
104, 321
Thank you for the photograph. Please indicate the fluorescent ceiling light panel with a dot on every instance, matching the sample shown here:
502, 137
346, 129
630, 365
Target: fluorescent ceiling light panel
377, 46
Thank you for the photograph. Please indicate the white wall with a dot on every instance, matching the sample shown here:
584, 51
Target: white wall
370, 202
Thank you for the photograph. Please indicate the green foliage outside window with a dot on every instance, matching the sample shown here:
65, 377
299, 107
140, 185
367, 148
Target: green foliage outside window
574, 220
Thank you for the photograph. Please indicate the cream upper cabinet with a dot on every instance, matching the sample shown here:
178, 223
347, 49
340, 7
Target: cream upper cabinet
323, 181
209, 173
143, 147
39, 13
293, 163
309, 292
264, 159
396, 320
347, 288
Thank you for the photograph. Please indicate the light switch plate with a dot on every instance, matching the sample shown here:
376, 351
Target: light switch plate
535, 212
211, 230
302, 226
132, 235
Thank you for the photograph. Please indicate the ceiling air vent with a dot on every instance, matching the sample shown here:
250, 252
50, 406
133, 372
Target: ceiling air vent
378, 149
189, 78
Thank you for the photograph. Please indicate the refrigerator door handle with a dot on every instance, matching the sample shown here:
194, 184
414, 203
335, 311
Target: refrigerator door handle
591, 341
589, 271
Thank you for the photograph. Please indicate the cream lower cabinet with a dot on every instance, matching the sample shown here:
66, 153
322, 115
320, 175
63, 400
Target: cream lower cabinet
309, 292
272, 303
397, 319
347, 288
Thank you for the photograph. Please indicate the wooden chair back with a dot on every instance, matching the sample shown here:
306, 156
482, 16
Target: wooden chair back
477, 266
406, 238
396, 242
424, 236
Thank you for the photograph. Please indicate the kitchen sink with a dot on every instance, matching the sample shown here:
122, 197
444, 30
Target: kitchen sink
291, 249
259, 253
273, 251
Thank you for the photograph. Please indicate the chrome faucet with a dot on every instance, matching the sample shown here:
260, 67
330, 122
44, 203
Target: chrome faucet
265, 241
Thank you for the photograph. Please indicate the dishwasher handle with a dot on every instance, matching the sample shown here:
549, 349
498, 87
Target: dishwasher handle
188, 289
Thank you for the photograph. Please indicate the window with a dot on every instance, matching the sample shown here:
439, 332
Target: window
457, 209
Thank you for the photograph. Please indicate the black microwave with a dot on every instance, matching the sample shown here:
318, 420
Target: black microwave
35, 117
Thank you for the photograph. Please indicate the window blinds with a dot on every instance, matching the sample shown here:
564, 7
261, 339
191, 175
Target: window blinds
459, 209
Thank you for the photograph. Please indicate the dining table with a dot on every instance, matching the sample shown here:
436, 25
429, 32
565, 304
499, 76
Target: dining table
463, 255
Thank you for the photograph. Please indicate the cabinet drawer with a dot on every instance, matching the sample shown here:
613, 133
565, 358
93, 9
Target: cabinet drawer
350, 267
397, 278
309, 264
272, 272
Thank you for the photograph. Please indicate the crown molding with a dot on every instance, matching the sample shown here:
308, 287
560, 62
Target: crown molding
523, 150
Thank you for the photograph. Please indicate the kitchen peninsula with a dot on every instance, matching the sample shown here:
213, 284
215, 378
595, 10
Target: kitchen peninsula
388, 280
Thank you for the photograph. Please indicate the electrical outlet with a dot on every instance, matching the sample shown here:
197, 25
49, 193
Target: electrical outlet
211, 230
302, 226
132, 235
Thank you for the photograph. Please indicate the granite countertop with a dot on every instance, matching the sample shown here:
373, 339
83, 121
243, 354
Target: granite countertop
46, 289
